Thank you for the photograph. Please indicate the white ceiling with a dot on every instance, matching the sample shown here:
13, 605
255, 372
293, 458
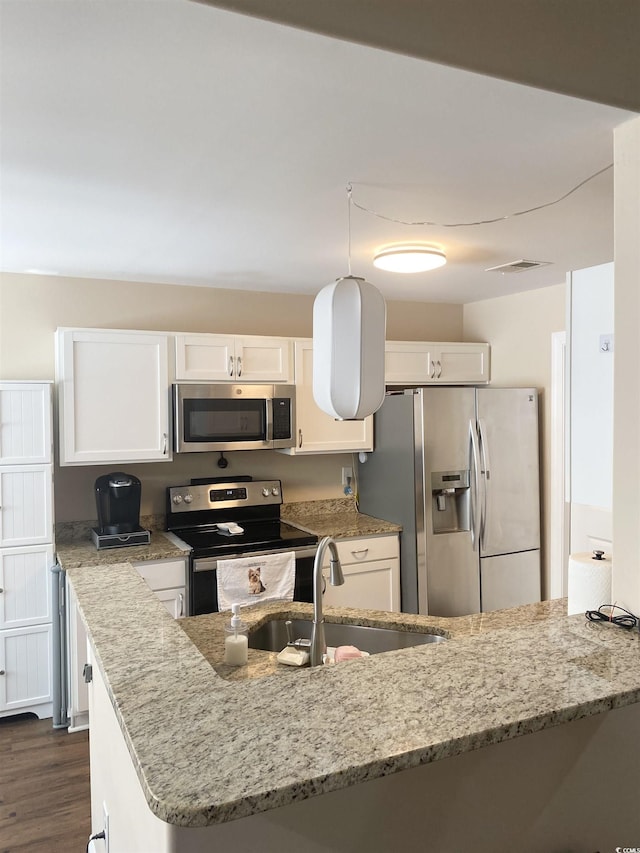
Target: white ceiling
176, 142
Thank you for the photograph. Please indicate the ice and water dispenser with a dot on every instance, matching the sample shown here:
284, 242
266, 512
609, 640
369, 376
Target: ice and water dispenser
450, 501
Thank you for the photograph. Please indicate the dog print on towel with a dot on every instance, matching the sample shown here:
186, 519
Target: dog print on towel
255, 582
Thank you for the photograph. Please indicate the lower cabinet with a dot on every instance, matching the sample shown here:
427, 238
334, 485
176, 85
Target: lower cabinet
371, 568
25, 630
25, 671
168, 579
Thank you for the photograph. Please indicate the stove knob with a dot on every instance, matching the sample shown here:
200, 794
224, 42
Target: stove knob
188, 498
177, 499
275, 491
265, 492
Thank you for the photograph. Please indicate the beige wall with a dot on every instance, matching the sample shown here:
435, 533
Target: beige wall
519, 328
32, 307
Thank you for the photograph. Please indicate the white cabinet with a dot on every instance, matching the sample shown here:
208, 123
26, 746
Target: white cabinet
25, 671
229, 358
371, 568
318, 432
26, 548
78, 692
26, 505
423, 363
168, 579
25, 424
113, 396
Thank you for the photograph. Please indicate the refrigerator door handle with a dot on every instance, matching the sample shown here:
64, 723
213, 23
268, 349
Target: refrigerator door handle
486, 476
474, 486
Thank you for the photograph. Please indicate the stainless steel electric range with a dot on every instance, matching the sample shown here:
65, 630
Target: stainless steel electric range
198, 513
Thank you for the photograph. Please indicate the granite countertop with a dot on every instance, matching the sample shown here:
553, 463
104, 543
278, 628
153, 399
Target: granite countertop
337, 518
260, 742
75, 548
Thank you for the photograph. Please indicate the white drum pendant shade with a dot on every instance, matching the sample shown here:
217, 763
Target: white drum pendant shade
349, 321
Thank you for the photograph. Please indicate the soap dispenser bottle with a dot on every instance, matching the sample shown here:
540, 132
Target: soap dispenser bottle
236, 643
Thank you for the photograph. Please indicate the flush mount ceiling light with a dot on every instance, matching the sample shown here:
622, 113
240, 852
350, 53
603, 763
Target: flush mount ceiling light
409, 258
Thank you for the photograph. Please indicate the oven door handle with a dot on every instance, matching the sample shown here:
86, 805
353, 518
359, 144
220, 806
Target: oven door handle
209, 564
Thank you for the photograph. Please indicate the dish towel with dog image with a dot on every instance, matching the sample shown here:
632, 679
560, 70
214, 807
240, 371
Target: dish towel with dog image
253, 580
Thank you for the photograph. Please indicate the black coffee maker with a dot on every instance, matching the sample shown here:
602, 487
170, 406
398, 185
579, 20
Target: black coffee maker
118, 503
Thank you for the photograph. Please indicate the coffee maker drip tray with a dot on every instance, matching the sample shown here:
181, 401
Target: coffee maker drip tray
120, 540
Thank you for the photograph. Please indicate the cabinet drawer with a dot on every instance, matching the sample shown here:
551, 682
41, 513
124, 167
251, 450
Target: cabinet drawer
364, 550
163, 574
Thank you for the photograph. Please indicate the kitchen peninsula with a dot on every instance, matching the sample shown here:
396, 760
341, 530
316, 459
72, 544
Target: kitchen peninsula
418, 748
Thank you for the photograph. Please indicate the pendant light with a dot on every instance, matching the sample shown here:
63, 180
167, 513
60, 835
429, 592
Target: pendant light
349, 326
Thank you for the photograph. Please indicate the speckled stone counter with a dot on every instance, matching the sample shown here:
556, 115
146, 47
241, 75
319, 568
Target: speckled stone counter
338, 518
75, 548
261, 742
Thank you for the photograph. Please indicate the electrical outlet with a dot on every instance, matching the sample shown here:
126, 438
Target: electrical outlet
347, 476
105, 826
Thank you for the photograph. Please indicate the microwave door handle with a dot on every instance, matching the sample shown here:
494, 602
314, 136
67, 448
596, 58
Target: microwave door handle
269, 419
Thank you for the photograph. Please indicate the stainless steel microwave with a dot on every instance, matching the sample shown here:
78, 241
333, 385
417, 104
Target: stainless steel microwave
221, 416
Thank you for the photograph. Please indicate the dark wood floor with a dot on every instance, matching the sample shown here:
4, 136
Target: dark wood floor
45, 802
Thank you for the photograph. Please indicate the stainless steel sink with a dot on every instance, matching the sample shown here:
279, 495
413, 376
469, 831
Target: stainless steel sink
272, 636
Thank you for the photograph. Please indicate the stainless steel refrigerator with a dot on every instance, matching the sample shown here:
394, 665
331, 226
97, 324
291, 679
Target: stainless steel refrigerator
458, 468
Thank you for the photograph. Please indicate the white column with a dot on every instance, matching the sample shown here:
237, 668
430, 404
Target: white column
626, 406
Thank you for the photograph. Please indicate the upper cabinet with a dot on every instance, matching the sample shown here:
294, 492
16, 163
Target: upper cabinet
25, 423
230, 358
113, 396
422, 363
317, 431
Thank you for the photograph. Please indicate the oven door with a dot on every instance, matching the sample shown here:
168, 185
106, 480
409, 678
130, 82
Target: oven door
203, 587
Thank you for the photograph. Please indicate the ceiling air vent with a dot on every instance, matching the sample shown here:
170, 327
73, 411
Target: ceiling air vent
518, 266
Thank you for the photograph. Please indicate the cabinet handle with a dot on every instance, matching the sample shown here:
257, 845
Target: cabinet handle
164, 444
239, 366
433, 370
1, 590
364, 551
299, 438
230, 365
439, 370
87, 673
2, 672
181, 602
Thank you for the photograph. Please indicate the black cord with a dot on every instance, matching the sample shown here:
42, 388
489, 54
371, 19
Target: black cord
626, 621
95, 838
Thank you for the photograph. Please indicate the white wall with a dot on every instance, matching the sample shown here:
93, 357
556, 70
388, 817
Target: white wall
519, 328
591, 387
591, 297
626, 406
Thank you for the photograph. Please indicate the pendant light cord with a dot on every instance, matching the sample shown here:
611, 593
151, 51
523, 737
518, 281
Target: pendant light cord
466, 224
349, 202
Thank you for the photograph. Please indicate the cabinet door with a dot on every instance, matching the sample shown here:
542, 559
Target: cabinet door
25, 586
462, 363
25, 667
372, 586
264, 359
26, 500
25, 423
113, 396
408, 362
205, 358
317, 431
78, 698
174, 600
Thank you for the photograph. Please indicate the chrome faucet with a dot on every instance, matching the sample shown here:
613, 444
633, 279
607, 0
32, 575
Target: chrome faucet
336, 578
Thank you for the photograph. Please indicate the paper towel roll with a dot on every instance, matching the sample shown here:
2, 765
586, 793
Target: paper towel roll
589, 582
